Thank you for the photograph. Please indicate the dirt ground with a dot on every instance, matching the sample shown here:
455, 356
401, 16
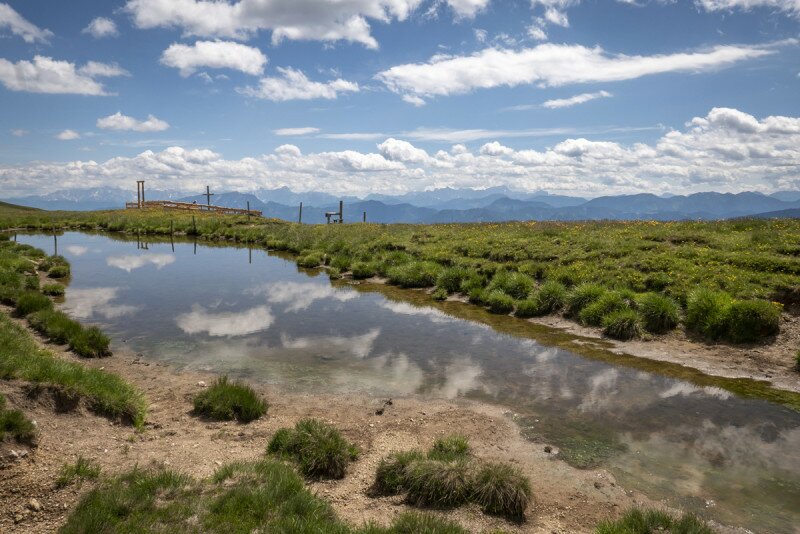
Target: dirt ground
773, 361
566, 499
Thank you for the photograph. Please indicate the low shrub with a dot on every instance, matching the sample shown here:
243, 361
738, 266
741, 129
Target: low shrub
341, 262
390, 477
362, 270
415, 274
438, 484
449, 449
707, 313
334, 273
51, 261
54, 325
753, 320
499, 302
450, 279
310, 260
82, 469
226, 400
90, 342
514, 284
529, 308
318, 448
54, 290
660, 313
594, 313
622, 324
638, 521
582, 296
472, 282
58, 271
552, 296
32, 282
502, 490
32, 301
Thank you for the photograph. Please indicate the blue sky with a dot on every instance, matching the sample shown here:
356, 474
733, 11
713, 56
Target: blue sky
576, 96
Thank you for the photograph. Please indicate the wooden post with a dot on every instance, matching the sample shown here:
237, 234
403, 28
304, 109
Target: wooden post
249, 254
341, 212
55, 242
248, 210
208, 196
365, 216
194, 226
300, 217
171, 227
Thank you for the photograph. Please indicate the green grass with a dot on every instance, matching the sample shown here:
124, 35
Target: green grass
31, 301
797, 361
501, 490
58, 271
751, 320
707, 313
551, 297
498, 302
622, 324
57, 327
319, 449
449, 449
227, 400
748, 260
14, 425
638, 521
660, 313
448, 477
53, 290
82, 469
240, 498
594, 313
104, 392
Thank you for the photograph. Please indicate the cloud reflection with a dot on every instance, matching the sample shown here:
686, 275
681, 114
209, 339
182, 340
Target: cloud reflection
77, 250
360, 346
85, 303
225, 324
301, 295
130, 262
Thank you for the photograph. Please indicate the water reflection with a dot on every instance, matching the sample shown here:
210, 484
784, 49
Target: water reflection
268, 320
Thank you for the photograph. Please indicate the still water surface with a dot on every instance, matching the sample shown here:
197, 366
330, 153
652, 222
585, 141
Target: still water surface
254, 315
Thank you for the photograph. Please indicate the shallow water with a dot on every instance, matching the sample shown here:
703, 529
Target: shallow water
250, 314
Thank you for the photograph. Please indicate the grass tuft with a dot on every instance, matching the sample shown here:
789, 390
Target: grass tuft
637, 521
498, 302
390, 478
622, 324
752, 320
436, 484
30, 302
417, 523
502, 490
414, 274
707, 313
318, 448
514, 284
54, 290
582, 296
82, 469
660, 313
15, 425
449, 449
226, 400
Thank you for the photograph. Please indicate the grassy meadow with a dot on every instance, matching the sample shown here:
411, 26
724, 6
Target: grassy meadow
726, 280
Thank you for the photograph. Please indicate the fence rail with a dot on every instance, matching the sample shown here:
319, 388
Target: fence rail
187, 206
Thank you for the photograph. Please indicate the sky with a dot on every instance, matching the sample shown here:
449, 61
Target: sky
583, 97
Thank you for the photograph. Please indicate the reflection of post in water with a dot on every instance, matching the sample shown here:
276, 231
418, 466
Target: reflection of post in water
249, 254
55, 242
172, 234
195, 245
143, 245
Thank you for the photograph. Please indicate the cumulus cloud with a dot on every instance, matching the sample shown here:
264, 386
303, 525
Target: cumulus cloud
97, 301
550, 65
19, 26
324, 20
118, 121
214, 55
575, 100
68, 135
307, 130
294, 85
724, 150
225, 324
47, 75
101, 27
19, 132
467, 8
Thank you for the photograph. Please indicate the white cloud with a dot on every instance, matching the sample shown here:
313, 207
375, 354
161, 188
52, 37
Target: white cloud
101, 27
359, 346
550, 65
294, 85
214, 55
296, 131
575, 100
467, 8
77, 250
225, 324
87, 303
787, 6
322, 20
118, 121
19, 132
47, 75
68, 135
30, 33
724, 150
300, 296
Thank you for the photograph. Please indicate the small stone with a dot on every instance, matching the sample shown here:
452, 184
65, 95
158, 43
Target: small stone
18, 517
201, 384
371, 425
217, 463
13, 454
597, 484
35, 505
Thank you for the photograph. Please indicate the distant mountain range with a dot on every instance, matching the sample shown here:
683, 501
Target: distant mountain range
454, 205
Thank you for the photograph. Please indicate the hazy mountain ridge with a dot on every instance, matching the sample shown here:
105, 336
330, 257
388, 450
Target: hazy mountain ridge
453, 205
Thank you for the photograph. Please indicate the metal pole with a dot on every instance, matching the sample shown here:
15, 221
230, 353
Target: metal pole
300, 218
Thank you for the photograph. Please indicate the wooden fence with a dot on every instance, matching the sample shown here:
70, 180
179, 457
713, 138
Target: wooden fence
187, 206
